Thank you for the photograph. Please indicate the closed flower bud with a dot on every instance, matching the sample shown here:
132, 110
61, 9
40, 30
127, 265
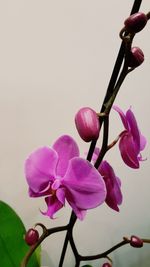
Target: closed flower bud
87, 124
135, 22
136, 57
136, 242
31, 237
106, 264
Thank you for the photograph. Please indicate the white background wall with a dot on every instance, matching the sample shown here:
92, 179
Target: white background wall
55, 57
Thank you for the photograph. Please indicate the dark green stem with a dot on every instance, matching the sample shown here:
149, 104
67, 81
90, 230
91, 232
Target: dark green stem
105, 142
107, 252
112, 90
104, 254
114, 77
111, 93
71, 224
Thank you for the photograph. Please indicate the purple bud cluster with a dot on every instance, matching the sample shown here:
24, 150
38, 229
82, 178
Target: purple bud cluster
133, 24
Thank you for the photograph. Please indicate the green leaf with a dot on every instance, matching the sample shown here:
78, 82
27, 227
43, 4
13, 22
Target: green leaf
12, 245
87, 266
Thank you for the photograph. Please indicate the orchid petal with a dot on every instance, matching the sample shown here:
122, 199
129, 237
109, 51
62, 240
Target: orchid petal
85, 186
66, 149
41, 193
53, 205
79, 212
40, 169
60, 193
133, 128
142, 142
122, 116
113, 184
129, 151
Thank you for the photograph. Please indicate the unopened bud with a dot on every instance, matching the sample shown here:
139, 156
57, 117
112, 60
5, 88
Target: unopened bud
106, 264
136, 242
136, 57
87, 124
31, 236
135, 22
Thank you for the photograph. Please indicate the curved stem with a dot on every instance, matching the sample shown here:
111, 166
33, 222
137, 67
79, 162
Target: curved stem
74, 249
112, 90
46, 233
109, 92
67, 237
114, 77
105, 254
108, 107
105, 142
62, 257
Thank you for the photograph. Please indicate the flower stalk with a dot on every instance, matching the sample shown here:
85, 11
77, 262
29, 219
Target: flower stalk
61, 189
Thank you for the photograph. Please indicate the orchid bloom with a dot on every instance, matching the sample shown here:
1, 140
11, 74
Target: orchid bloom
112, 182
132, 142
59, 174
113, 185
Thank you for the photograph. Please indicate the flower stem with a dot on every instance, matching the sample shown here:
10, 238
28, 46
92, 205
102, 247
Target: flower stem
70, 227
110, 96
113, 79
105, 253
46, 233
112, 90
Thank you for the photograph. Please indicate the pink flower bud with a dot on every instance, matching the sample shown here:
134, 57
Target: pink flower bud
136, 242
31, 237
135, 22
87, 124
106, 264
136, 57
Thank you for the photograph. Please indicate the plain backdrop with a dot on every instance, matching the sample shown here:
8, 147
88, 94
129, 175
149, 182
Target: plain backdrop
55, 57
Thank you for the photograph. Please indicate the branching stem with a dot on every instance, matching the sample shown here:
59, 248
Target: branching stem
114, 85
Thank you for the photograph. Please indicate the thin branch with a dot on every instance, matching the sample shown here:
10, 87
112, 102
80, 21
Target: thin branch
114, 77
105, 254
46, 233
70, 226
105, 142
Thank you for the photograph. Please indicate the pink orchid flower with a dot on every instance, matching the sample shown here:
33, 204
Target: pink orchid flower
113, 185
132, 142
112, 182
59, 174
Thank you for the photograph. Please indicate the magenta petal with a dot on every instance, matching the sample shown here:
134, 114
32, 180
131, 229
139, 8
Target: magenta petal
45, 192
133, 128
40, 169
117, 191
142, 142
79, 212
60, 193
53, 205
122, 116
115, 196
113, 184
66, 149
129, 151
85, 186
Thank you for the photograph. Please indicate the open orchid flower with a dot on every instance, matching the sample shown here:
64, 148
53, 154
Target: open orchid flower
132, 142
112, 182
113, 185
59, 174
